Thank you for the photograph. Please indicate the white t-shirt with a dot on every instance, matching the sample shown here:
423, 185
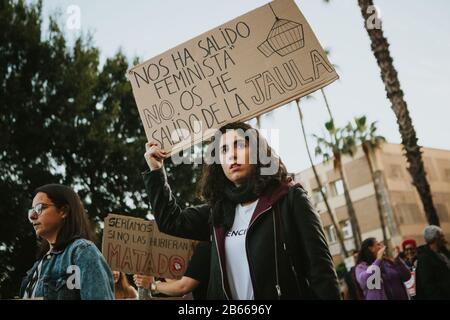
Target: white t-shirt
238, 271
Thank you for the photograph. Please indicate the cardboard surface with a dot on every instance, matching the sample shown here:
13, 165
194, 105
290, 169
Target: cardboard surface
241, 69
136, 246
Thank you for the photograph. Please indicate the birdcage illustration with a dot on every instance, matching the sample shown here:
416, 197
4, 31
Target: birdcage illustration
285, 37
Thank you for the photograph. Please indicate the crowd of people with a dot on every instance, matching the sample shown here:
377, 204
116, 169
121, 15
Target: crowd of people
415, 273
260, 238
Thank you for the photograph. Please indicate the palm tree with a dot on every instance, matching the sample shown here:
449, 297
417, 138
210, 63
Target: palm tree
337, 145
349, 149
366, 135
326, 103
380, 48
319, 184
258, 122
389, 75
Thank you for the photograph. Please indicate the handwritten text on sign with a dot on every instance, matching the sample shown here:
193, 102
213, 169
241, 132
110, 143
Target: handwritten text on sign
246, 67
136, 246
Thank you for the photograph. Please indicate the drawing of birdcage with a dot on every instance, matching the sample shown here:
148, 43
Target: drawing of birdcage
285, 37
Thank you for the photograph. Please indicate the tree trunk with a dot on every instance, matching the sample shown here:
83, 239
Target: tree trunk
258, 122
367, 149
325, 199
351, 210
380, 48
326, 104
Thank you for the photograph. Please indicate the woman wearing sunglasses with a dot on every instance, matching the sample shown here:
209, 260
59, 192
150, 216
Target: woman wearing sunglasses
69, 266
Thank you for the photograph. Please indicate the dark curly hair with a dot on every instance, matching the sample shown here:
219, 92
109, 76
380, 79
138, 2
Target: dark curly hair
213, 179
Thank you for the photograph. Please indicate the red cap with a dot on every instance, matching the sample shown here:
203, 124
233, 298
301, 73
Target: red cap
409, 242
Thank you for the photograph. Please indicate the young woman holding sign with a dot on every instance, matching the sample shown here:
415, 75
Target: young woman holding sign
69, 265
267, 240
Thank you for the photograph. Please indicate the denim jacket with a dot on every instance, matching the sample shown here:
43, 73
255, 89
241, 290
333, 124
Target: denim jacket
77, 272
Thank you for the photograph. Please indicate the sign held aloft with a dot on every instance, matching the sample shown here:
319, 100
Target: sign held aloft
136, 246
244, 68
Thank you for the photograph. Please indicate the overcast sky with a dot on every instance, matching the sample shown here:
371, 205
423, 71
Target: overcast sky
418, 31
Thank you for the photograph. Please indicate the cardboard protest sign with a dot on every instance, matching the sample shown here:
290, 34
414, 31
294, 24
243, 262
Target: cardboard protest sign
241, 69
135, 246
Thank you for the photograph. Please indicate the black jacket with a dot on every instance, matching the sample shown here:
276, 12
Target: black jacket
305, 268
432, 275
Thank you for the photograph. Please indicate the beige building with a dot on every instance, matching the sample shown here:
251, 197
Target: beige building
402, 209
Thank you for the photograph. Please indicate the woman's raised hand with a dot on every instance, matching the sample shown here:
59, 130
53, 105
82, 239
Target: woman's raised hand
154, 155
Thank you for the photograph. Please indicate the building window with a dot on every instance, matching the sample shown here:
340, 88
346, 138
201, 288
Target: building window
409, 213
346, 227
447, 174
395, 172
429, 170
317, 196
442, 212
331, 234
337, 188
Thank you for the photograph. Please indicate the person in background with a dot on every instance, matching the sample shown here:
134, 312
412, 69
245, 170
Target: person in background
433, 266
409, 247
352, 290
122, 288
391, 273
195, 279
69, 266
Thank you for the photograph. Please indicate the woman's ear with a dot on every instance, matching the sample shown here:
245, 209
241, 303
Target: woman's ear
64, 211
